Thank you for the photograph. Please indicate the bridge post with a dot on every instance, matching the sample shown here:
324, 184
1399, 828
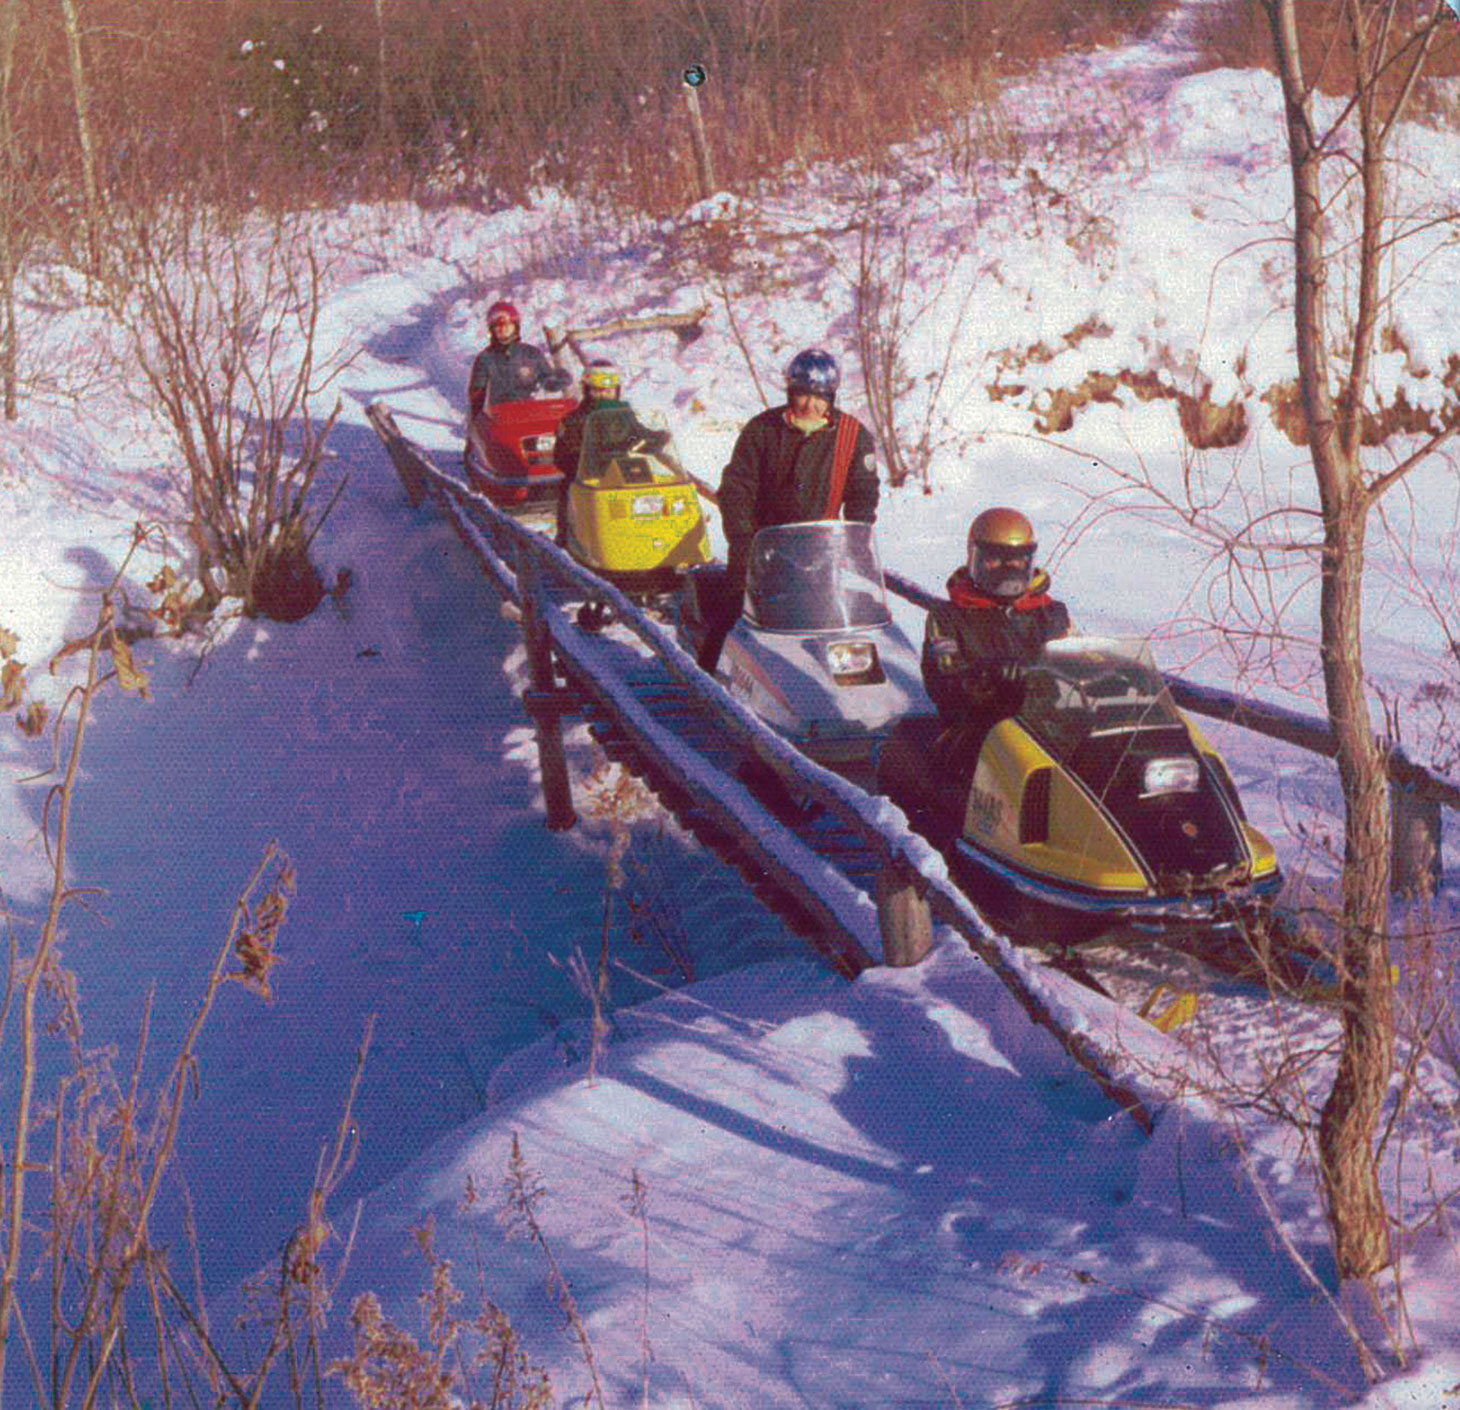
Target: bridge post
542, 700
903, 914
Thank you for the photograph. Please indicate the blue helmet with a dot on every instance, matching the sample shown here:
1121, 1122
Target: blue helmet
813, 370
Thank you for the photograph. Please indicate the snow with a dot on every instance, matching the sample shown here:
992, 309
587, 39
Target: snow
897, 1191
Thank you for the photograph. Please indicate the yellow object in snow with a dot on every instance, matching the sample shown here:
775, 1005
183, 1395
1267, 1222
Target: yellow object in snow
1181, 1009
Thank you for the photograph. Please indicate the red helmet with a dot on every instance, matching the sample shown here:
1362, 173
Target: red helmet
502, 310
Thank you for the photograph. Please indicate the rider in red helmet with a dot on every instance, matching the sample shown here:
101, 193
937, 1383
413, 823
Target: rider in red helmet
508, 369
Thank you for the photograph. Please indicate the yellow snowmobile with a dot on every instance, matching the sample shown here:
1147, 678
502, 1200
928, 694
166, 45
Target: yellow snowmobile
1097, 805
633, 513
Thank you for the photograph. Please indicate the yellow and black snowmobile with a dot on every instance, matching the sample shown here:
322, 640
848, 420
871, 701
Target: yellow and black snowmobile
1097, 805
633, 513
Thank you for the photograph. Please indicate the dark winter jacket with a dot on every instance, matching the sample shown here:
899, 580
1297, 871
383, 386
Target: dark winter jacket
975, 645
780, 475
566, 450
569, 445
512, 373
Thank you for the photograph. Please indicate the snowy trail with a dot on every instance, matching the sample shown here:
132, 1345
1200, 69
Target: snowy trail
385, 748
1147, 70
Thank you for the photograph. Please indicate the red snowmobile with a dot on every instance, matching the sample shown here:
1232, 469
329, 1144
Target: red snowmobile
509, 452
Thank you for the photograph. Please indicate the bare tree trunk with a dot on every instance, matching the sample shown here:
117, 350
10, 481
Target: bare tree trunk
9, 24
90, 192
382, 83
1350, 1118
1352, 1112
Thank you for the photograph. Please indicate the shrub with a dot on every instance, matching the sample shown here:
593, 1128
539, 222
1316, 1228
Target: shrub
221, 318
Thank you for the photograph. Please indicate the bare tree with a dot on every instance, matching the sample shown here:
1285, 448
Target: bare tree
11, 225
893, 299
223, 321
1389, 42
80, 97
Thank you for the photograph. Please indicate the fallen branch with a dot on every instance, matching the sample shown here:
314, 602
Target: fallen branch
685, 324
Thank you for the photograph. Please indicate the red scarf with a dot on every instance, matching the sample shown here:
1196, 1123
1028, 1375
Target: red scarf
841, 457
962, 593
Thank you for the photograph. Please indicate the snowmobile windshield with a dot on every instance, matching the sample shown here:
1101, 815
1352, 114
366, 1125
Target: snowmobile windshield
824, 576
621, 444
1084, 687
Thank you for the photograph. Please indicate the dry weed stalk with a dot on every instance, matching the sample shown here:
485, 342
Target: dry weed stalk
112, 1143
390, 1370
519, 1217
300, 1298
636, 1203
617, 798
106, 1162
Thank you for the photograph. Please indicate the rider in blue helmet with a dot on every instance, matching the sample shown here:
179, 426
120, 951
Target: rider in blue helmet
801, 461
814, 370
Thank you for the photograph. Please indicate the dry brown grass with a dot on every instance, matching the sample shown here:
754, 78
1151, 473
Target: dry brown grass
87, 1158
1237, 35
271, 101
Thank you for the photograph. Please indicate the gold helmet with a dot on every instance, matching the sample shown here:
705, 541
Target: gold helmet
1001, 553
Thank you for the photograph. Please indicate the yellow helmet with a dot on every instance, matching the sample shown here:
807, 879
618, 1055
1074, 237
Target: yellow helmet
601, 376
1001, 548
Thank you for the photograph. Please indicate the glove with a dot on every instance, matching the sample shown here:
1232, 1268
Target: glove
994, 685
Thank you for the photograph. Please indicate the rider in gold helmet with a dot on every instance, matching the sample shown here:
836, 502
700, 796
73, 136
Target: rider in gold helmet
602, 386
997, 619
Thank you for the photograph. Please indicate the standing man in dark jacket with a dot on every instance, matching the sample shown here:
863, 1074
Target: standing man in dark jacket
997, 620
508, 369
794, 463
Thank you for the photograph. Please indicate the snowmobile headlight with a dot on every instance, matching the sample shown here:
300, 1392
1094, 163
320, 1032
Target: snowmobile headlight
851, 658
1180, 774
647, 505
538, 442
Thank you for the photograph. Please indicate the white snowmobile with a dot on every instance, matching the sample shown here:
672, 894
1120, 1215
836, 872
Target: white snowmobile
815, 653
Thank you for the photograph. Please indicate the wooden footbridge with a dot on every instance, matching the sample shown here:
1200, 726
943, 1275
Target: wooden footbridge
841, 866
